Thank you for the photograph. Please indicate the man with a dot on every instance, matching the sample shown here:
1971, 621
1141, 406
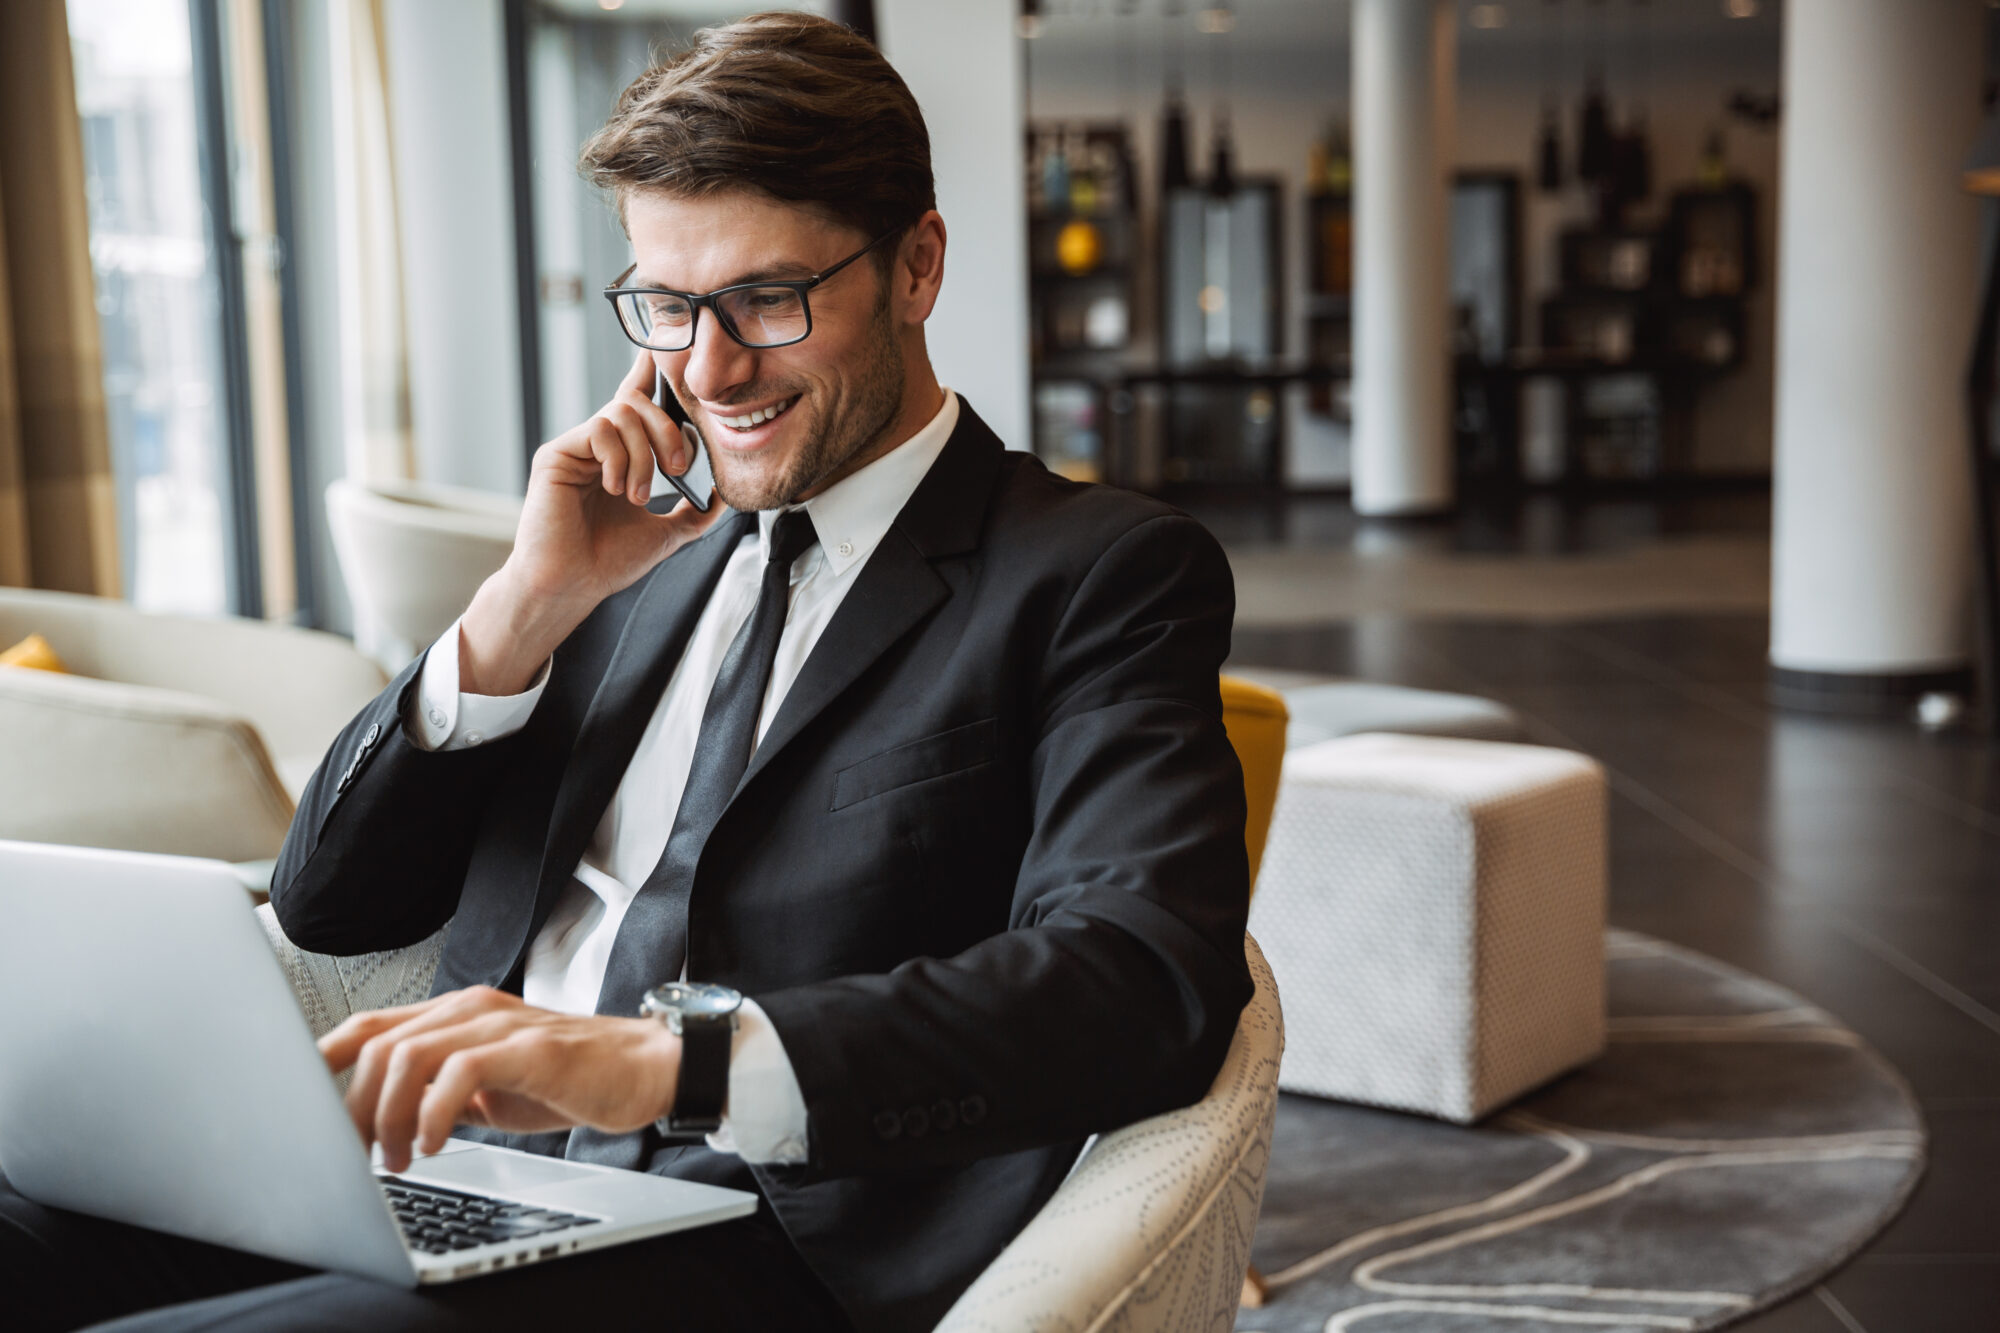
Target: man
915, 746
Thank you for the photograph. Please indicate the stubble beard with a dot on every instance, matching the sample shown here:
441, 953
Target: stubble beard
829, 444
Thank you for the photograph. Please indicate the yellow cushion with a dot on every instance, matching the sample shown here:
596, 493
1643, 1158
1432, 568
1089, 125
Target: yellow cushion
1255, 719
34, 653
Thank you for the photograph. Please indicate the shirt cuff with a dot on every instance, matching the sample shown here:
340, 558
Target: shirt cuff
448, 720
765, 1118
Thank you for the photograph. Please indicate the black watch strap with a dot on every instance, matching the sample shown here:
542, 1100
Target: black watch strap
703, 1089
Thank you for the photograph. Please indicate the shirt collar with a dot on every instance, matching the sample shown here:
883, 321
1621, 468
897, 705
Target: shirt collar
853, 515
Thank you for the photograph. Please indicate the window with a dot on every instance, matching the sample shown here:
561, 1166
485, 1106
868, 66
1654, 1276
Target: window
158, 299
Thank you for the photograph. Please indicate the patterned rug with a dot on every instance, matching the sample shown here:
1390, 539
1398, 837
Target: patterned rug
1733, 1144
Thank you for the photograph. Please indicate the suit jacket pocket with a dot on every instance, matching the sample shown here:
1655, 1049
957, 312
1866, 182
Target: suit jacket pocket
936, 756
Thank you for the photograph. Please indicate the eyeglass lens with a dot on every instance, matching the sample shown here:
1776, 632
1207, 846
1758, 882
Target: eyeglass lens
757, 316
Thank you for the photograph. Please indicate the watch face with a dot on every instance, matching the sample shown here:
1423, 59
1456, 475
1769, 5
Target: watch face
691, 999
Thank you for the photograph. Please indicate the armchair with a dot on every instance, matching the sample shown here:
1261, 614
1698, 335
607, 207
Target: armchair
412, 554
1150, 1231
177, 734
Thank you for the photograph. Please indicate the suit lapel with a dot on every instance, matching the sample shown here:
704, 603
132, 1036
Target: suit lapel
649, 648
897, 588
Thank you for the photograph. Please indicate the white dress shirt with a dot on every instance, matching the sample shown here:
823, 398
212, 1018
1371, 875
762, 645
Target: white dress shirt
765, 1117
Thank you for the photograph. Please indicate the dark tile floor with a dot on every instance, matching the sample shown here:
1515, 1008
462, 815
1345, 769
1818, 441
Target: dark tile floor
1857, 863
1526, 523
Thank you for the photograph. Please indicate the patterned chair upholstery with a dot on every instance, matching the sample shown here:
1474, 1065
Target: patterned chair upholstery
1151, 1231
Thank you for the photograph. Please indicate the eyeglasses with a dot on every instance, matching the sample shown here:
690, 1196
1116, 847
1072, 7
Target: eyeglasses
756, 314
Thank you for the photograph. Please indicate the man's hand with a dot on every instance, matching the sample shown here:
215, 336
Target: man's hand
483, 1057
585, 533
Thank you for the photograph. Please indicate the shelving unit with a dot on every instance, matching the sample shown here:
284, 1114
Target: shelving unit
1645, 317
1084, 257
1329, 220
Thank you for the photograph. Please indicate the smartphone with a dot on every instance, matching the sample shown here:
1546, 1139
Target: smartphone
698, 482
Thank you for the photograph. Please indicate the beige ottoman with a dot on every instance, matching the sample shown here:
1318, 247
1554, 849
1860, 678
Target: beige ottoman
1433, 911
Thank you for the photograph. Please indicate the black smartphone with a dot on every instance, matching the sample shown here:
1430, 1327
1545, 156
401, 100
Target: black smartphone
696, 483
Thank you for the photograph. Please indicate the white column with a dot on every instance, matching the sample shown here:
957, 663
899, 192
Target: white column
1877, 279
1403, 71
963, 65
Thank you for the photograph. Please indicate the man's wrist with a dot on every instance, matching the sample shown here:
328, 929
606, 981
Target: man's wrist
506, 635
662, 1055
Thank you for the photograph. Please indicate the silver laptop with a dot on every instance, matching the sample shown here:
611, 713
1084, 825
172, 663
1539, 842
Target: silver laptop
156, 1069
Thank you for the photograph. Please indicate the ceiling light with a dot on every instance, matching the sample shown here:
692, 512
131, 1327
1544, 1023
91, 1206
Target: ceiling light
1216, 20
1740, 9
611, 4
1489, 16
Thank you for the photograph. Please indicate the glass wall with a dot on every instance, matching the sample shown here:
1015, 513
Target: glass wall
580, 60
157, 298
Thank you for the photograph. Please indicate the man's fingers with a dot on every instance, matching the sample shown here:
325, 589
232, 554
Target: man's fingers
648, 436
483, 1072
414, 1063
607, 446
663, 435
341, 1046
639, 379
371, 1064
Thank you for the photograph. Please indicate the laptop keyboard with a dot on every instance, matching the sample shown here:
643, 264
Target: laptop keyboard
438, 1221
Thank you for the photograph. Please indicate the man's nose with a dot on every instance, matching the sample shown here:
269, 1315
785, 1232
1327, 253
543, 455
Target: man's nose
716, 363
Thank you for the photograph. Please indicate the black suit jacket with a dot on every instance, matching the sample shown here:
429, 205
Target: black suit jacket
985, 872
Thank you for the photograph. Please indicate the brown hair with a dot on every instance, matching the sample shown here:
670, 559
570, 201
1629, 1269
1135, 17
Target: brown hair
793, 105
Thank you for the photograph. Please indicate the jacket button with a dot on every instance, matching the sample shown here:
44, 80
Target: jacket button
916, 1122
887, 1125
374, 734
971, 1110
944, 1116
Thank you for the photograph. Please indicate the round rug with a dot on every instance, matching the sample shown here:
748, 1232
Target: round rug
1731, 1146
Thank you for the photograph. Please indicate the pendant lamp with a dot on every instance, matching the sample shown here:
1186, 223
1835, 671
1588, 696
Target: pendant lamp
1982, 389
1594, 149
1593, 133
1222, 161
1549, 151
1636, 160
1174, 173
1548, 137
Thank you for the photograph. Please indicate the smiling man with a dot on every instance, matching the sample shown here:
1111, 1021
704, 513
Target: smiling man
900, 781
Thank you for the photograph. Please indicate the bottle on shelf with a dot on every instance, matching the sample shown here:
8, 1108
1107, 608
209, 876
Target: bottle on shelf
1055, 175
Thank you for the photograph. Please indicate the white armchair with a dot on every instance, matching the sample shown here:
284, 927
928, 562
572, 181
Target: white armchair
176, 734
1150, 1232
412, 554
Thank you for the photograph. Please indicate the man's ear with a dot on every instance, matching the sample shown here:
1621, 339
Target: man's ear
918, 272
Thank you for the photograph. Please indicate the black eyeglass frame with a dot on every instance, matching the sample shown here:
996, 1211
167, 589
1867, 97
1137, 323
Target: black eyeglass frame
696, 300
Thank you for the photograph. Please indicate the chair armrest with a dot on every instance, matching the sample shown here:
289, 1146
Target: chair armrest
329, 989
1152, 1228
101, 764
298, 686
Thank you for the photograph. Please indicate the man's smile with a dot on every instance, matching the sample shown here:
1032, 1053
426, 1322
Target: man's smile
749, 421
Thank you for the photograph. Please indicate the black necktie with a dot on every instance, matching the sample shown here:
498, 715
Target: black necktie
652, 940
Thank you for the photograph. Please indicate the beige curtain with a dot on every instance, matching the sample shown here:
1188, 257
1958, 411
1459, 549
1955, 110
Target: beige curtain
257, 228
58, 506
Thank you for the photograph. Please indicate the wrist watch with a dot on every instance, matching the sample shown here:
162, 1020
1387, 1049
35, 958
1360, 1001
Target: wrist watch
704, 1018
